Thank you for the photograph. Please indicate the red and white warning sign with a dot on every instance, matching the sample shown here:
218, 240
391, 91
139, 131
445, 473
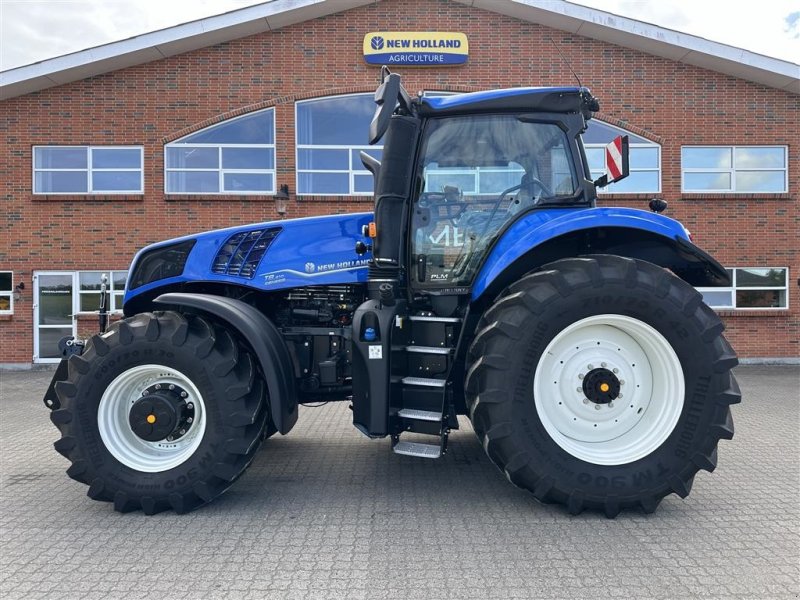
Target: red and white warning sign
617, 158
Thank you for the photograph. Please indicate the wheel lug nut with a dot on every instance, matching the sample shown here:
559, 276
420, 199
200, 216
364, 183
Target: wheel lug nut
579, 390
190, 406
619, 395
189, 419
172, 386
158, 386
615, 370
580, 375
610, 405
184, 394
603, 365
144, 393
597, 407
169, 438
182, 431
622, 382
591, 367
586, 401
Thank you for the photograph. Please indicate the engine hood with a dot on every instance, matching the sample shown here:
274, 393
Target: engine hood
299, 253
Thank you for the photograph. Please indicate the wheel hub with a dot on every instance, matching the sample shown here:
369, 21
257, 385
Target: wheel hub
162, 413
601, 386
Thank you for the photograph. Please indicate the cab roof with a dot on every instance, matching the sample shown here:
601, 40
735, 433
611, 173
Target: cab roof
529, 99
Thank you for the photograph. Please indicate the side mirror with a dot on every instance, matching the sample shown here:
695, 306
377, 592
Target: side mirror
386, 99
616, 162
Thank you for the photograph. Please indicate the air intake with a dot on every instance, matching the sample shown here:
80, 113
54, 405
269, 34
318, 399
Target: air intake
241, 253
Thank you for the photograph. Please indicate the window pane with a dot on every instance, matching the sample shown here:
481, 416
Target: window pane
495, 182
342, 121
707, 181
760, 181
116, 158
760, 278
90, 281
192, 158
60, 158
119, 278
436, 182
5, 281
323, 183
252, 129
247, 158
643, 158
600, 133
317, 159
718, 298
641, 182
192, 182
62, 182
706, 158
248, 182
760, 158
761, 298
116, 181
5, 302
117, 302
596, 158
363, 183
89, 302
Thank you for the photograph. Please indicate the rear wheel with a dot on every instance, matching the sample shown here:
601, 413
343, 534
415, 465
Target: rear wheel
601, 382
163, 411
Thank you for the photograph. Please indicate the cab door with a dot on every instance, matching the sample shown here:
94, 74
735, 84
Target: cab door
53, 313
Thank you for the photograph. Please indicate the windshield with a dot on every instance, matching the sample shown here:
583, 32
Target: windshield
478, 172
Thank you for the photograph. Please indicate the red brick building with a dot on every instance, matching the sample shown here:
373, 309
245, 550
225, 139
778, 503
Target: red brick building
108, 149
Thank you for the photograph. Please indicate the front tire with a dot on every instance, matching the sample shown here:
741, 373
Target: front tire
603, 383
163, 411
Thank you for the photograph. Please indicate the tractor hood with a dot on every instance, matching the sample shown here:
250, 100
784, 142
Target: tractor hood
267, 256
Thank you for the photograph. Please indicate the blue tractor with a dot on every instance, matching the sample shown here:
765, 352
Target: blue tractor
486, 283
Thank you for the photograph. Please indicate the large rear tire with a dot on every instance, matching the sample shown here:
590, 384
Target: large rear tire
603, 383
163, 411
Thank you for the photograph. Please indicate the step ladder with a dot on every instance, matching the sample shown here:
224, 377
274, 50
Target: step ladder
434, 337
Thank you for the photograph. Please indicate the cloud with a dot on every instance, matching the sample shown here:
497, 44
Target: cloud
792, 27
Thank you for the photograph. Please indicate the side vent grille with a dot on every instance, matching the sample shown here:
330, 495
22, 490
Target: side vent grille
243, 251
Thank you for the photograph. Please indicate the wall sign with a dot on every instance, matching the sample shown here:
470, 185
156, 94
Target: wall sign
416, 48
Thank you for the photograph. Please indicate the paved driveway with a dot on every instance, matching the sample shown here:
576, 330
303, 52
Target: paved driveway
326, 513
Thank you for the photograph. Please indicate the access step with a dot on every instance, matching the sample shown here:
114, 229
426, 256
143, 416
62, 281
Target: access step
428, 349
417, 449
435, 319
424, 382
420, 415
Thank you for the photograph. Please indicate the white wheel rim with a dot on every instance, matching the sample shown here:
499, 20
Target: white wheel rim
123, 443
651, 389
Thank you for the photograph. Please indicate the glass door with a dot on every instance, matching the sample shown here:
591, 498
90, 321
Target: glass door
53, 313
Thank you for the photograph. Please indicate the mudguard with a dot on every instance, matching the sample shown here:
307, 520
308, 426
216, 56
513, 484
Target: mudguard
622, 231
265, 340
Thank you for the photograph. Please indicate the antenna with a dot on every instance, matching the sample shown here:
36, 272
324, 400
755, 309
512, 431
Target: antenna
566, 62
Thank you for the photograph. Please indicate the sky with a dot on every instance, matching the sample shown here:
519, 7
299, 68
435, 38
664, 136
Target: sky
34, 30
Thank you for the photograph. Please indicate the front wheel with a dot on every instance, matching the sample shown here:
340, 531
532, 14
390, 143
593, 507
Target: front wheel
163, 411
601, 382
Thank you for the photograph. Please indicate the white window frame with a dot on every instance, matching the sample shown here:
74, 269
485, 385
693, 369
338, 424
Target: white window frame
112, 304
732, 170
221, 171
733, 288
606, 190
352, 170
9, 294
476, 177
89, 170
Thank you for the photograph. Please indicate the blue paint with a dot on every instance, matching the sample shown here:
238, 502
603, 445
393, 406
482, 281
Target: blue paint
310, 251
443, 102
540, 226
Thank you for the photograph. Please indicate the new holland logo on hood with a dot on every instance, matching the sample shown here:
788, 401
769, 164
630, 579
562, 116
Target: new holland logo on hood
415, 48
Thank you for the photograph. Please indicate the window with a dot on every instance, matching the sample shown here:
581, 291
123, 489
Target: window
330, 133
233, 157
88, 170
751, 288
737, 169
644, 157
89, 290
6, 292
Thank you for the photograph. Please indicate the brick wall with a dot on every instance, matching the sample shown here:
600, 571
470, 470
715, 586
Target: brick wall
159, 101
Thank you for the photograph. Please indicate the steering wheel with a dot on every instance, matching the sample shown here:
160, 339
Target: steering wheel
529, 183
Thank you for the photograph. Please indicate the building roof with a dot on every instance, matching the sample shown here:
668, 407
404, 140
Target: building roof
274, 14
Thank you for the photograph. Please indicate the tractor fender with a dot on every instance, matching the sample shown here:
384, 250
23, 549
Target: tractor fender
264, 339
542, 236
